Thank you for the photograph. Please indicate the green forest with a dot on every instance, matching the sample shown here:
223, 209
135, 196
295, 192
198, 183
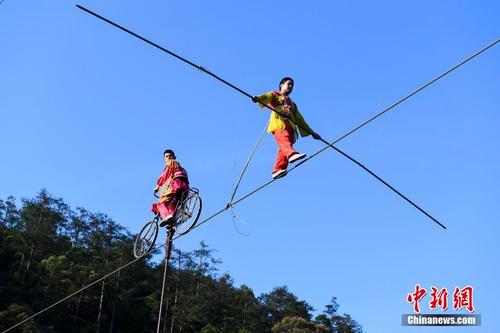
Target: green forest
49, 250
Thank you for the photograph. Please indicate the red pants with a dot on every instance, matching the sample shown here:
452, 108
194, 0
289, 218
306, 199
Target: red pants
169, 199
285, 139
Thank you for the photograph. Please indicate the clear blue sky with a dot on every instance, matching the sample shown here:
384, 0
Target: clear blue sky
86, 111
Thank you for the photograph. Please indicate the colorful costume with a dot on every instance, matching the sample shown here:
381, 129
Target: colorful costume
174, 181
284, 127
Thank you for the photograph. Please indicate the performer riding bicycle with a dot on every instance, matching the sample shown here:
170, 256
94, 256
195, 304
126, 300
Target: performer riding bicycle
175, 183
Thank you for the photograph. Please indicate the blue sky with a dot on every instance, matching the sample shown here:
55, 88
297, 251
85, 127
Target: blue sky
86, 111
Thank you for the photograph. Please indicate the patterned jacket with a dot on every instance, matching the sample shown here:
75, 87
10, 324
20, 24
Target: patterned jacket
284, 105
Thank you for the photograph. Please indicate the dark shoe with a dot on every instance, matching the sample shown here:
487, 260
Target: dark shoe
167, 220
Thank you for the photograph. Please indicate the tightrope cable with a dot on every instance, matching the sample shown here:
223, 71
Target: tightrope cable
77, 292
416, 91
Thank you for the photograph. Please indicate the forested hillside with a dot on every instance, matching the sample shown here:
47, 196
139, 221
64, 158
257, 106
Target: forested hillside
49, 250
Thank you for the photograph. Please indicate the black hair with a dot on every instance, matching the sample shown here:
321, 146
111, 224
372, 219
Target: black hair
283, 80
170, 151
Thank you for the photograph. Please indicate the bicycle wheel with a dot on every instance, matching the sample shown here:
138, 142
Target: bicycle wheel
188, 212
146, 239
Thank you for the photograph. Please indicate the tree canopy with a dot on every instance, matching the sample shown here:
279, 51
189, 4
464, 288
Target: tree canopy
48, 250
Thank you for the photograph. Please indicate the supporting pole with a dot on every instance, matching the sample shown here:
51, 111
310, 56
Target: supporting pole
168, 250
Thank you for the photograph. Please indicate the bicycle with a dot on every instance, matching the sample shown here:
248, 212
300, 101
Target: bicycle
187, 213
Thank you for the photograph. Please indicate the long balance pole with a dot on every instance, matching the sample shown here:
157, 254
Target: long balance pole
329, 144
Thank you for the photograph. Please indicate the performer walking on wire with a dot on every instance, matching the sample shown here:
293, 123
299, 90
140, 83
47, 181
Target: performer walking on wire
174, 181
285, 125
